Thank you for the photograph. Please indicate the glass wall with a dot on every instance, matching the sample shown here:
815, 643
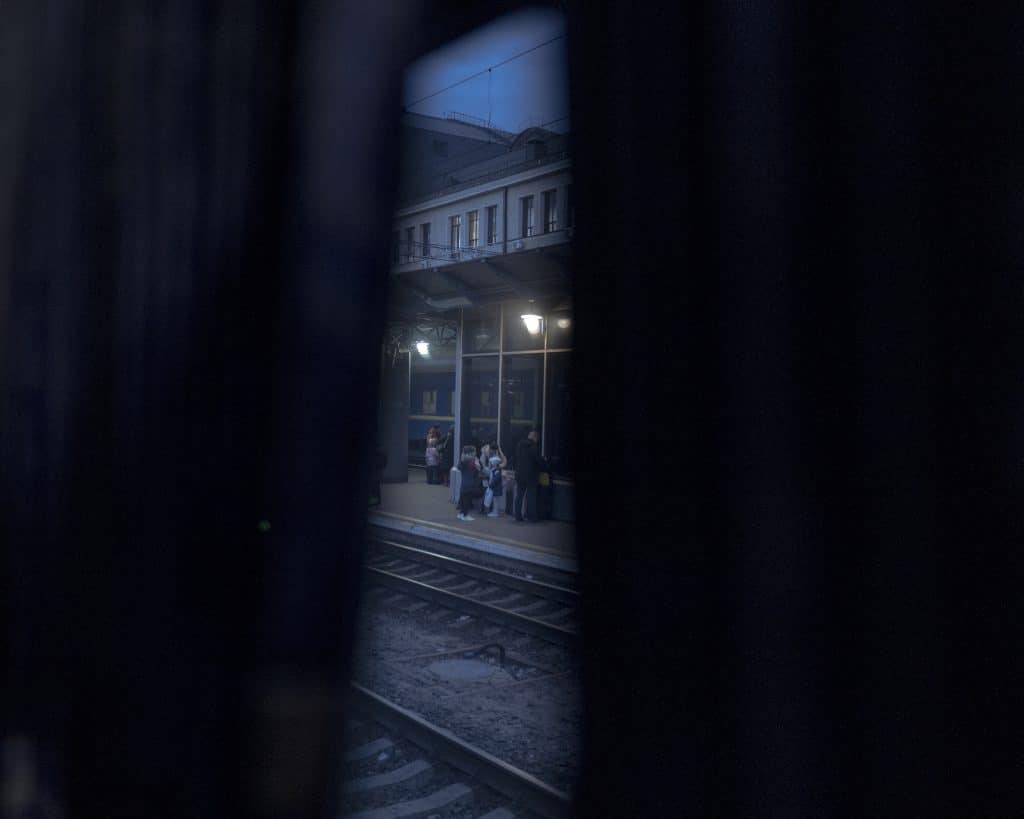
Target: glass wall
515, 334
559, 330
522, 386
558, 414
534, 370
431, 396
479, 400
481, 329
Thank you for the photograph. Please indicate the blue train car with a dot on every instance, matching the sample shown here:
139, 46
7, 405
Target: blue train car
431, 402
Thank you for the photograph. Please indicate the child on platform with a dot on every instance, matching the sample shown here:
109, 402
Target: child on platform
494, 487
433, 459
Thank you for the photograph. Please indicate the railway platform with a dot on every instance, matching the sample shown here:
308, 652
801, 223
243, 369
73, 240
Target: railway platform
424, 510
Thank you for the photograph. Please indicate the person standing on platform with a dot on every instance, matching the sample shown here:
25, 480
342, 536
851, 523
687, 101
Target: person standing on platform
527, 476
432, 460
444, 451
469, 466
493, 494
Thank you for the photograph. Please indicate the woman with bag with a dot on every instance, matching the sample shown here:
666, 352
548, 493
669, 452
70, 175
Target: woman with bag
471, 489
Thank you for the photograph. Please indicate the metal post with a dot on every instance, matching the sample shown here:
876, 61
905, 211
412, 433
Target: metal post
457, 409
544, 393
544, 400
408, 392
501, 368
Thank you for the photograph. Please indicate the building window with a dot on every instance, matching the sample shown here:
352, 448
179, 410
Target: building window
410, 240
526, 220
456, 232
550, 211
492, 224
425, 240
570, 207
474, 228
395, 248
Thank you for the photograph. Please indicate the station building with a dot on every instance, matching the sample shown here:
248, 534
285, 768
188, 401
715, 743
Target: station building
480, 329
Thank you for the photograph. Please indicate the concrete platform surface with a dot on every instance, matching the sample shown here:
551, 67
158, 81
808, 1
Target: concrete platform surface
424, 509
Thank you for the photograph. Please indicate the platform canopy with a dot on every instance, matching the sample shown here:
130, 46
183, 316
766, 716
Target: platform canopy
435, 289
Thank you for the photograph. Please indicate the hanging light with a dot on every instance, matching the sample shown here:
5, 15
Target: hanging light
563, 323
532, 322
422, 347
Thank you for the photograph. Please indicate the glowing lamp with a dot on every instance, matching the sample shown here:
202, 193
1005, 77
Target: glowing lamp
532, 322
422, 347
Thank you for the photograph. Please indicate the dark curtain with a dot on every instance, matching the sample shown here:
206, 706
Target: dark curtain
196, 199
798, 309
799, 306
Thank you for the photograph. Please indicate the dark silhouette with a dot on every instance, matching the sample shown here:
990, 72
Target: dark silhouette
528, 467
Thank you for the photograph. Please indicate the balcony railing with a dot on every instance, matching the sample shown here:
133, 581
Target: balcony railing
443, 253
511, 166
432, 255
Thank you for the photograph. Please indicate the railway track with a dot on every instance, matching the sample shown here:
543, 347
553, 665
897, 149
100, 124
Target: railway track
542, 610
400, 765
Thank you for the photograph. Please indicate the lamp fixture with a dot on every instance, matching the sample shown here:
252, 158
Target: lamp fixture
563, 323
532, 322
422, 347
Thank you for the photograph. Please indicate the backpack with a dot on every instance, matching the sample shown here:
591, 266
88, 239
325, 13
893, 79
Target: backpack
495, 482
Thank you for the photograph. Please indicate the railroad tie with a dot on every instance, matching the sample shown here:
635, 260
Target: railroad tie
407, 771
504, 601
499, 813
530, 609
424, 574
435, 801
462, 586
369, 749
561, 614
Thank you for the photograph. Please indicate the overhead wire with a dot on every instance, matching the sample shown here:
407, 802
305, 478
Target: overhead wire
457, 83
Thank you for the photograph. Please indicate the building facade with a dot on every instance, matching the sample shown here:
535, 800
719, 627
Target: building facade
480, 312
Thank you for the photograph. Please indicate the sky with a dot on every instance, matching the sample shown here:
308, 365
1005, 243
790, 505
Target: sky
529, 90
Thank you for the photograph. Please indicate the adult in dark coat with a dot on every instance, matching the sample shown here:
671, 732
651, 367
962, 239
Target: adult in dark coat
528, 469
444, 449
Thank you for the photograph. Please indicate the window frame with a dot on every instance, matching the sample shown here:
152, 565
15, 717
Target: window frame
550, 216
526, 209
455, 232
425, 240
492, 224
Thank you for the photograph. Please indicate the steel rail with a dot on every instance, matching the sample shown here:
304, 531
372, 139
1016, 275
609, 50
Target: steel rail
516, 784
548, 591
485, 611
